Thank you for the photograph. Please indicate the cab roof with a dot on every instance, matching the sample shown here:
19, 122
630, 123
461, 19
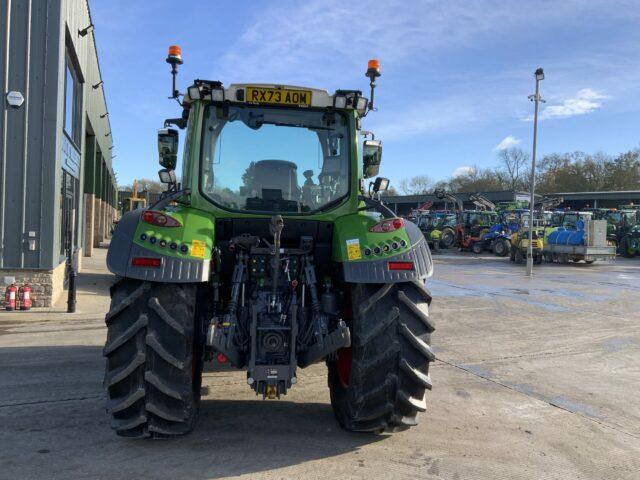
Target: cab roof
276, 95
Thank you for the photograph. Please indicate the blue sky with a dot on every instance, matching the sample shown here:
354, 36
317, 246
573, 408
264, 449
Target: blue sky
456, 74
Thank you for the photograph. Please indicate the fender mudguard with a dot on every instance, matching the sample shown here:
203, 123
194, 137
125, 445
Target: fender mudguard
377, 270
171, 270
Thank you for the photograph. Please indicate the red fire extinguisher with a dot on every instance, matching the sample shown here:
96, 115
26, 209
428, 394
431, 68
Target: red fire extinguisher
24, 296
10, 297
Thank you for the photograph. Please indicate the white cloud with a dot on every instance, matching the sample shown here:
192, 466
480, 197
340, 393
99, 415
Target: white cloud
585, 101
462, 171
507, 142
313, 43
329, 40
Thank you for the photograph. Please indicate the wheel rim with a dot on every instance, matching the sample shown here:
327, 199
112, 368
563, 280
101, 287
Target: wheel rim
500, 248
343, 366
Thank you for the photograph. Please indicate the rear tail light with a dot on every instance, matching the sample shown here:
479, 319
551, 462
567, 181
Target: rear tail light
146, 262
159, 219
400, 266
390, 225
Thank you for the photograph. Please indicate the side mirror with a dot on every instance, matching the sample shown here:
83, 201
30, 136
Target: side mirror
371, 157
380, 185
167, 176
168, 147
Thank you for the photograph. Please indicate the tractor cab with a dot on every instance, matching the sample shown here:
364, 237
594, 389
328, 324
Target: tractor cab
569, 218
477, 220
307, 156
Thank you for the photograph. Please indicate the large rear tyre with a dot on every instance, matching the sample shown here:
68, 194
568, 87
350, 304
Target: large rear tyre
379, 383
519, 256
154, 359
625, 248
501, 247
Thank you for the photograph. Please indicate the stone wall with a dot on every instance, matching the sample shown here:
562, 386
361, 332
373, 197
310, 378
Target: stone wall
47, 285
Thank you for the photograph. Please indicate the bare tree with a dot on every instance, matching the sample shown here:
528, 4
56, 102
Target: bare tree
417, 185
514, 162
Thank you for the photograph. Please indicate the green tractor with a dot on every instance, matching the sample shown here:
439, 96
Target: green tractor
271, 255
433, 224
629, 231
623, 225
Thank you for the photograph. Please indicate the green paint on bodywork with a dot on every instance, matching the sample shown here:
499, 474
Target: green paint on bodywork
199, 218
356, 227
196, 226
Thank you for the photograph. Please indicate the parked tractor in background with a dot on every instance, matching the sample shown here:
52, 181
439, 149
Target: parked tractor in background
433, 224
471, 227
448, 235
259, 259
628, 232
569, 218
622, 223
497, 240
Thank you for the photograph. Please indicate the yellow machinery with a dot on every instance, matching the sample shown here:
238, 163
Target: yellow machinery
134, 202
520, 242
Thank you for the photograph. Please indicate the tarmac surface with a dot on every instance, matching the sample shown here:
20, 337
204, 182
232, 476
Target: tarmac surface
535, 378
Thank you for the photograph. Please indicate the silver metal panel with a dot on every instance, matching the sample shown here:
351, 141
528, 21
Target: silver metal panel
173, 270
596, 233
377, 271
580, 249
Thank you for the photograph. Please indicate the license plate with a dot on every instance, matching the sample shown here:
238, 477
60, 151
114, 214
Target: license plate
278, 96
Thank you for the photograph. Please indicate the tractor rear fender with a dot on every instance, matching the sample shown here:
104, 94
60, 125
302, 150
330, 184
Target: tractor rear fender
370, 257
180, 254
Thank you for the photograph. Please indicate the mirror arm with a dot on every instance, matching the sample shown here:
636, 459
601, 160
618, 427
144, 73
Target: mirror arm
181, 123
377, 205
167, 198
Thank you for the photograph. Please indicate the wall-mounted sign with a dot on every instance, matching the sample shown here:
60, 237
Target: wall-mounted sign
15, 99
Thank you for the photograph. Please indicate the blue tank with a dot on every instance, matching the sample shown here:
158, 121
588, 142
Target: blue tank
552, 238
562, 236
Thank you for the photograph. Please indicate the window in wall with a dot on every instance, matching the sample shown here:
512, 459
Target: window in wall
72, 102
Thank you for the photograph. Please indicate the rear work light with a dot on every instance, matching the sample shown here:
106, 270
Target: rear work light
400, 266
159, 219
390, 225
146, 262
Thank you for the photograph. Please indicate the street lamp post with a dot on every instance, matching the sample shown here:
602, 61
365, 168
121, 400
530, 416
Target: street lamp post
539, 74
